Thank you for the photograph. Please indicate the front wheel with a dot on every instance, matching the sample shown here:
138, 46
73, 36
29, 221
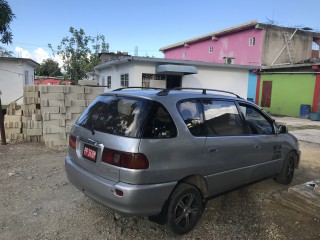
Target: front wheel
184, 209
287, 171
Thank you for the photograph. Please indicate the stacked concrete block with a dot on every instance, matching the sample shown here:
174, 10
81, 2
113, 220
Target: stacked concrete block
13, 124
61, 106
32, 118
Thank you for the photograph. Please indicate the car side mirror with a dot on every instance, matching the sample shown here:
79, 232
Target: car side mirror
282, 129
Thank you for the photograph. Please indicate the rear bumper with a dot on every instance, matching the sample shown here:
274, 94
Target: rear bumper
139, 200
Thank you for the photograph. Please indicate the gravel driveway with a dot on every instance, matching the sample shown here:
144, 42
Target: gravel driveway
38, 202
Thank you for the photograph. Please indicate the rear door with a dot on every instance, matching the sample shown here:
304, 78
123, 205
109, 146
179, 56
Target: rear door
109, 123
228, 152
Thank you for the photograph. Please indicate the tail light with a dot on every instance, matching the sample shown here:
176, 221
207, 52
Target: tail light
72, 141
124, 159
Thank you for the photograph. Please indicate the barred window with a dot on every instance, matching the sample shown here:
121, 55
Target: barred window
124, 80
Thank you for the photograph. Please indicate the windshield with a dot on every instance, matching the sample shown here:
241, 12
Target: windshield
115, 115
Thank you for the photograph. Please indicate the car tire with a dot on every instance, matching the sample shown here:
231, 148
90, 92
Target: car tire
287, 171
184, 209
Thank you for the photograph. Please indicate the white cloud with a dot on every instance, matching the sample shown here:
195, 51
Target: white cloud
37, 55
22, 53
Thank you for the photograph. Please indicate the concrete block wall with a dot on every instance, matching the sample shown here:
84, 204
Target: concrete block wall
48, 113
32, 118
13, 123
61, 106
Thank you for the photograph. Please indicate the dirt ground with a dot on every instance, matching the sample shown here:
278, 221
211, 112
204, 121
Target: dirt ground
38, 202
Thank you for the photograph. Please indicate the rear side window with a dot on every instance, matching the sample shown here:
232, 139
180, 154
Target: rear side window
159, 123
115, 115
222, 118
191, 113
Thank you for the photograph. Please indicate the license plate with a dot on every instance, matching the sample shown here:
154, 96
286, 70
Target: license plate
90, 153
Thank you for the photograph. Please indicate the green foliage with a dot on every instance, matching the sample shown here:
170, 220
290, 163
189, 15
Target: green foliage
49, 68
6, 16
80, 53
5, 53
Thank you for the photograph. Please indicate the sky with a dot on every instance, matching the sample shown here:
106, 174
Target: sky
146, 25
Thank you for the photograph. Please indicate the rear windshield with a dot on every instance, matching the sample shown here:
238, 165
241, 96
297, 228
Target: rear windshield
115, 115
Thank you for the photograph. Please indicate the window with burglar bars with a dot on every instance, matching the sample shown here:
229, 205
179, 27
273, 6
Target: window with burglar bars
147, 77
125, 80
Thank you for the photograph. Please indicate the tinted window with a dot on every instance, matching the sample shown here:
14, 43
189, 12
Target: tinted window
160, 123
191, 114
222, 118
115, 115
255, 121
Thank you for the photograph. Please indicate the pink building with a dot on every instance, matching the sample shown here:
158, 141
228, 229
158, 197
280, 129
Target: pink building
251, 43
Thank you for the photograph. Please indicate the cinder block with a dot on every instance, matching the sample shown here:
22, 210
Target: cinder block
74, 89
53, 129
75, 109
36, 117
88, 82
18, 112
34, 88
51, 123
12, 118
30, 100
97, 90
29, 107
91, 96
63, 109
52, 89
70, 96
50, 109
52, 103
32, 132
52, 96
24, 119
31, 94
53, 116
78, 103
12, 130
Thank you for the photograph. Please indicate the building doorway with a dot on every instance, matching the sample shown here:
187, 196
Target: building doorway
266, 94
173, 81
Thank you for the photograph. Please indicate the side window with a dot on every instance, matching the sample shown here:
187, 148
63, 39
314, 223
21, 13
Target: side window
191, 114
222, 118
160, 123
255, 121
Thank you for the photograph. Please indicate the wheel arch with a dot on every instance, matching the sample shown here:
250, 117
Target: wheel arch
197, 181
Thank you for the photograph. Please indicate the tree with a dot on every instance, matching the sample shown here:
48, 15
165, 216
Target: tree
5, 53
79, 53
49, 68
6, 16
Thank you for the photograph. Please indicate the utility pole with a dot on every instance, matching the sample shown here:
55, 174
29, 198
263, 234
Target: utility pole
3, 134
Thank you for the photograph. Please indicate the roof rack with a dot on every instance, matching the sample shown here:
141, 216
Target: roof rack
153, 88
204, 91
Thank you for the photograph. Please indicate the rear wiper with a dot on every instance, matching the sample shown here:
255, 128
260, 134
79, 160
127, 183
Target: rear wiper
92, 130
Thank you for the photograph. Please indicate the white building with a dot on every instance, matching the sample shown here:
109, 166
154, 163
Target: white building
14, 74
165, 73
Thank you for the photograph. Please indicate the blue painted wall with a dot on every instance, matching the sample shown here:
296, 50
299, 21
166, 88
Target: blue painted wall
252, 85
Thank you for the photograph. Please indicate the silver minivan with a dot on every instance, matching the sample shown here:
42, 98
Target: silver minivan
162, 152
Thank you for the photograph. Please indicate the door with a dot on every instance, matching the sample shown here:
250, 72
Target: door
268, 144
228, 152
266, 94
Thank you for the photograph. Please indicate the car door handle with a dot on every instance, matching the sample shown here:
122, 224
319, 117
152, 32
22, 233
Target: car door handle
257, 146
213, 149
